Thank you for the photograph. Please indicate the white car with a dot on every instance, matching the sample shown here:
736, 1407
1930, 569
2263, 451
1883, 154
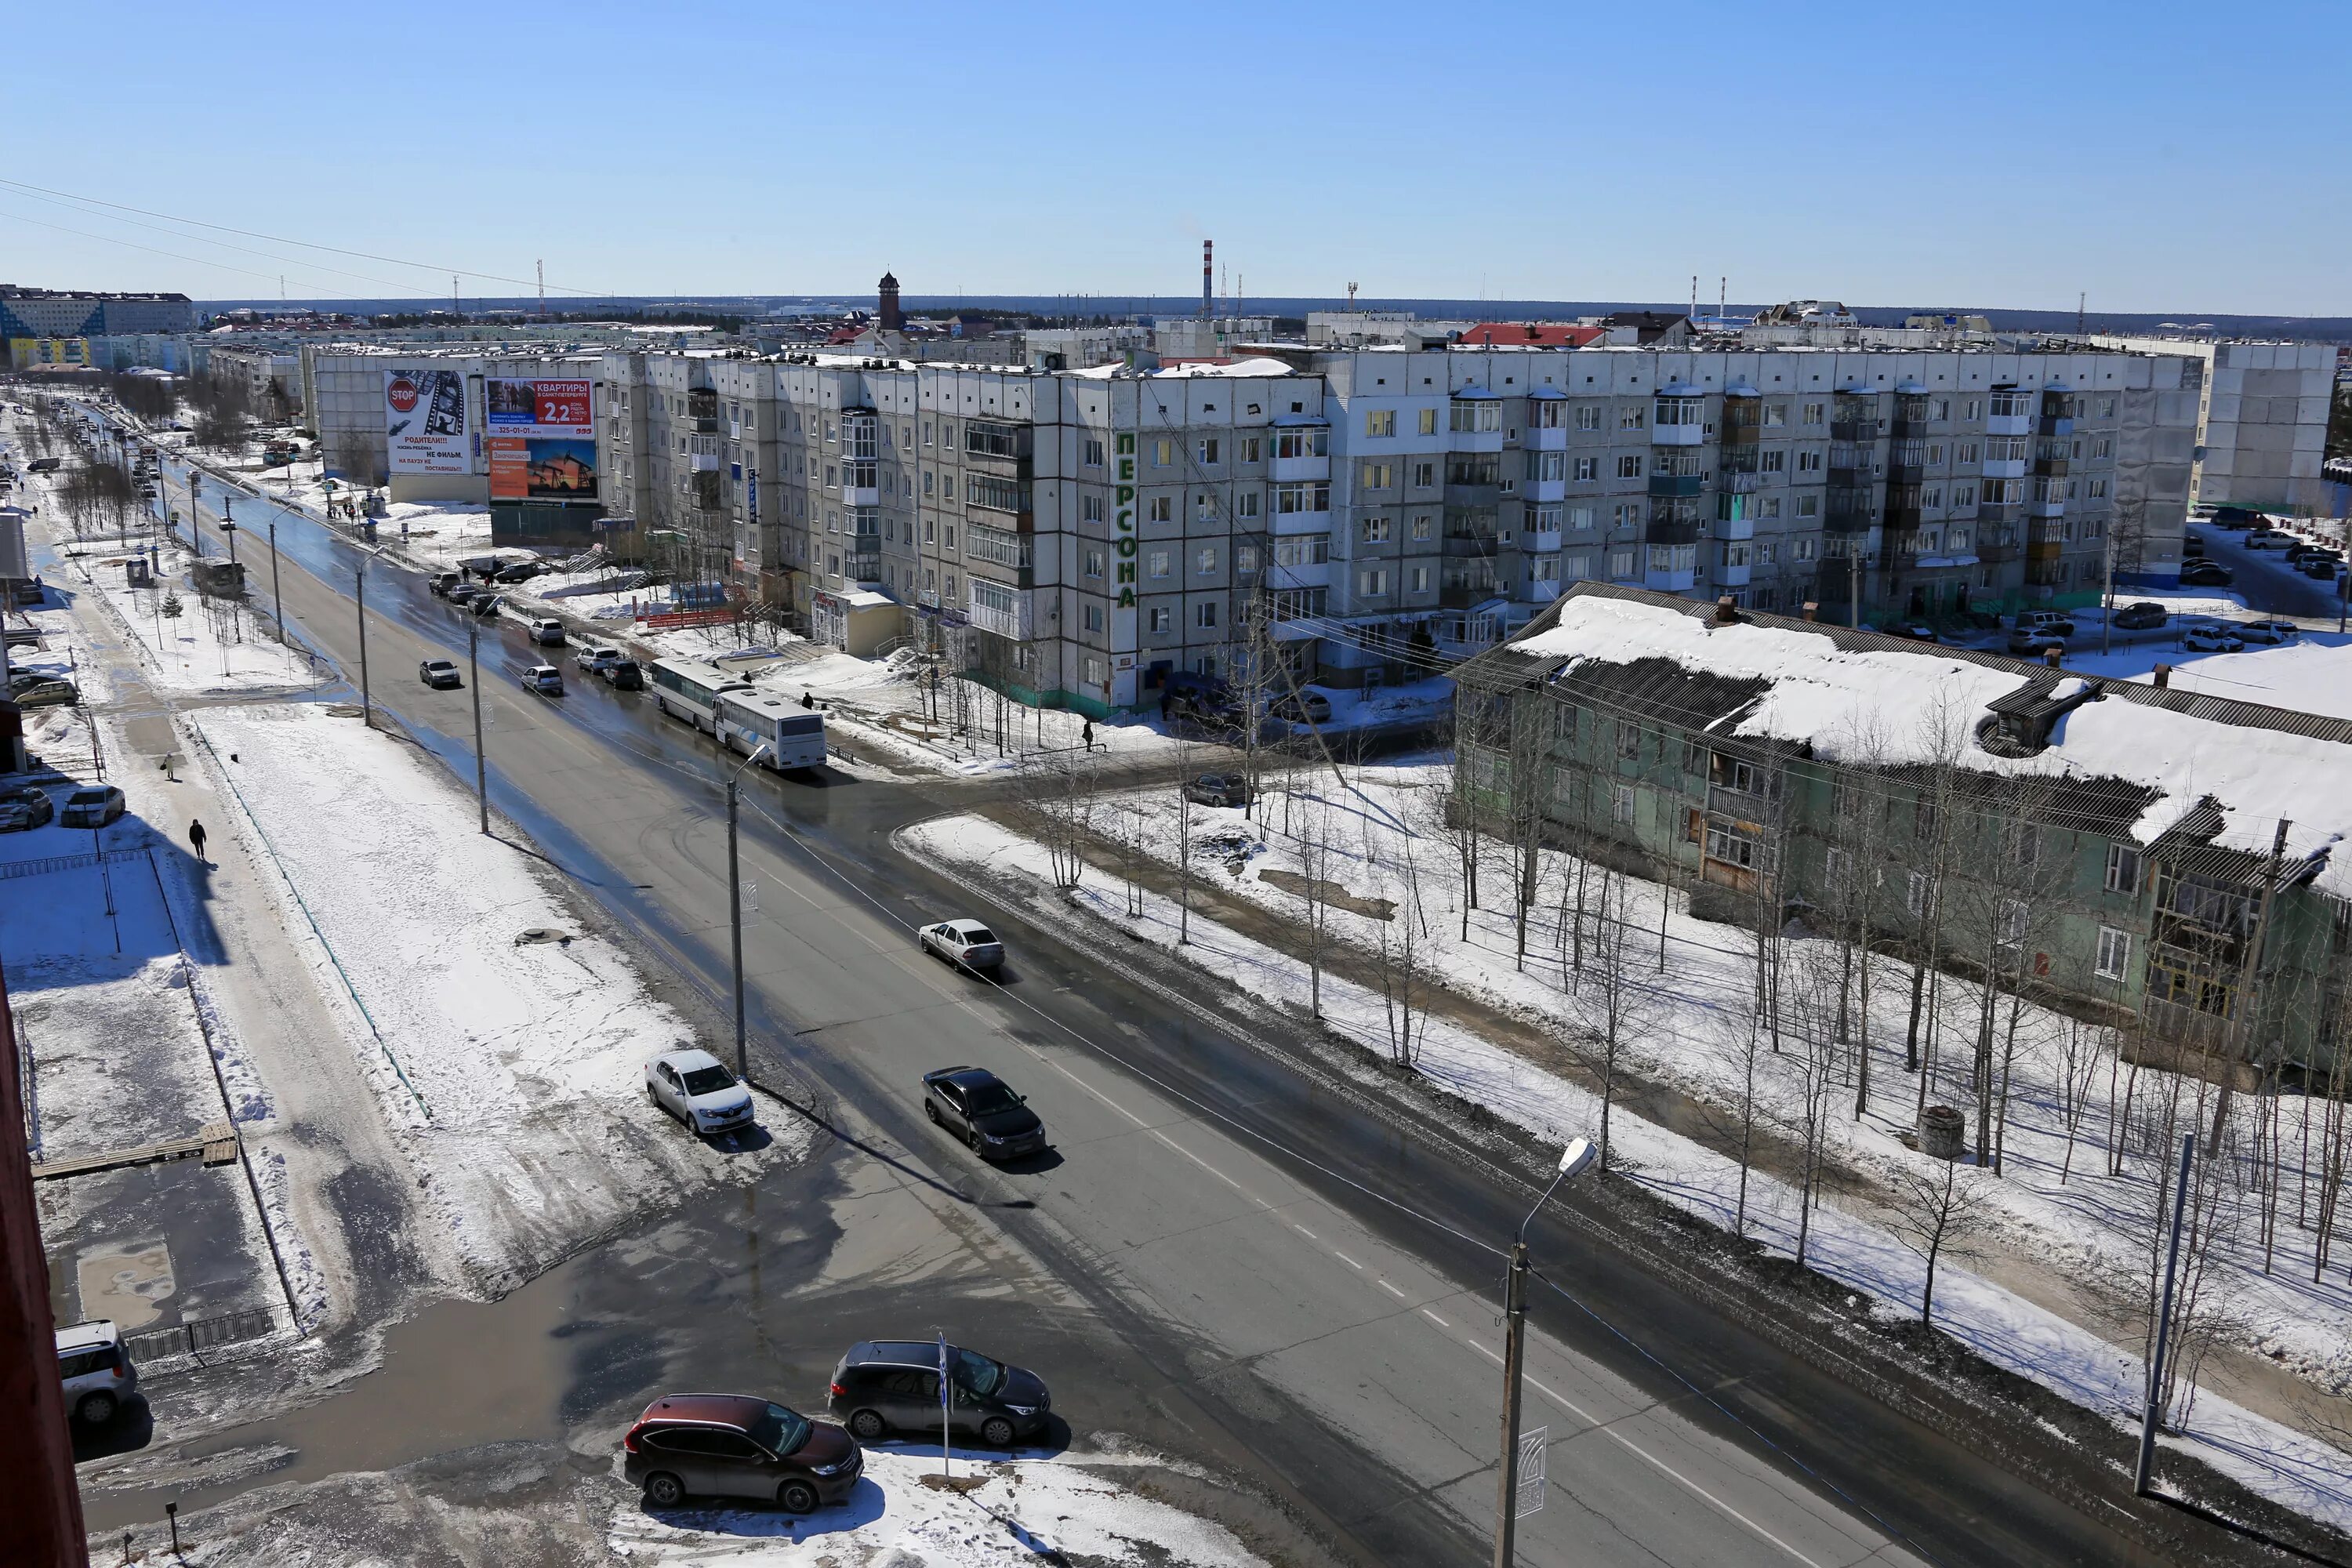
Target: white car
543, 678
549, 634
2212, 639
594, 659
2267, 632
96, 1371
696, 1087
968, 944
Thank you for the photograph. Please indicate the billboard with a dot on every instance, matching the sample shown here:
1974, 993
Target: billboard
424, 422
542, 439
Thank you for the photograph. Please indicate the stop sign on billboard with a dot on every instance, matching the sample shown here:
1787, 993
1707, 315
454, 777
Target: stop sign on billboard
402, 393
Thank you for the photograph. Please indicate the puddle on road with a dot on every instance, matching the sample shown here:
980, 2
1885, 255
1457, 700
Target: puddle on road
124, 1284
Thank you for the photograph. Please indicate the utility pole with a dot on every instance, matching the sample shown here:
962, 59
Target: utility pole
1853, 592
228, 525
735, 906
276, 592
359, 583
474, 683
1573, 1159
2156, 1374
2108, 620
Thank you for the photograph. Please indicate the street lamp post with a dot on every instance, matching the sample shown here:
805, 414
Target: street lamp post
1573, 1159
228, 525
735, 906
359, 588
474, 682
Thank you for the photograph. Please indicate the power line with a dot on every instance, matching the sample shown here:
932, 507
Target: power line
159, 228
134, 245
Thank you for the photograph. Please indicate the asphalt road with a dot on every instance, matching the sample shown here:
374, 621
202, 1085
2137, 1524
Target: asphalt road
1218, 1215
2268, 583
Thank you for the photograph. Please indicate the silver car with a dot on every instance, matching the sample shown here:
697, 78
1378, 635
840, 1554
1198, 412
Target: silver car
968, 944
696, 1087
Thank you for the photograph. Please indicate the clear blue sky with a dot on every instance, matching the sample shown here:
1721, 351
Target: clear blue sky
2162, 156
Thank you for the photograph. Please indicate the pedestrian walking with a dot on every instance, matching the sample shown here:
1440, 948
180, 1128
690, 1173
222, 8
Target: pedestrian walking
1087, 733
196, 839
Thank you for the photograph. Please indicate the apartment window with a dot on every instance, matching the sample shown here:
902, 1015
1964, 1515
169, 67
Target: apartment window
1420, 579
1425, 476
1090, 452
930, 528
1244, 560
1626, 515
1090, 508
1776, 414
1423, 526
2106, 408
1252, 449
1094, 672
1767, 506
1621, 803
1378, 530
1964, 495
1204, 506
2010, 920
1378, 476
1204, 615
1095, 562
1429, 422
1621, 563
1629, 466
1920, 894
926, 439
1379, 422
1156, 563
2104, 447
1158, 618
1776, 462
1205, 561
2115, 953
2098, 489
1209, 452
1809, 462
2123, 868
1580, 517
1804, 549
1163, 453
1246, 503
1813, 412
1629, 741
1163, 509
1588, 418
1587, 469
1972, 408
928, 477
1577, 564
1373, 582
1093, 617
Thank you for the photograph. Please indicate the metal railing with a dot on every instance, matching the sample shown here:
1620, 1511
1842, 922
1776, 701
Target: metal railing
200, 1335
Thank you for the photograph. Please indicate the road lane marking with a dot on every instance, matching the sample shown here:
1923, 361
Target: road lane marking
1090, 1088
1435, 1318
1347, 1260
1304, 1231
1394, 1291
1647, 1457
1210, 1169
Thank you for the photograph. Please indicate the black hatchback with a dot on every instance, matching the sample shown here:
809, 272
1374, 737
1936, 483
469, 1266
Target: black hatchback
981, 1109
886, 1384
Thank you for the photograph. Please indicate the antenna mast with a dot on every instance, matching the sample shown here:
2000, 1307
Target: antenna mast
542, 290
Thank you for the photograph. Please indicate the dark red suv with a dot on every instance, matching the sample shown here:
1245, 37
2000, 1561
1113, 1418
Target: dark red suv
734, 1445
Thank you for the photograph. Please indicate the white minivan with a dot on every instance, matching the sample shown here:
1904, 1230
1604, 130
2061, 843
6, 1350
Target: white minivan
96, 1370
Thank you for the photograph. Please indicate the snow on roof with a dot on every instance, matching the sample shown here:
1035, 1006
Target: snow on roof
865, 599
1908, 703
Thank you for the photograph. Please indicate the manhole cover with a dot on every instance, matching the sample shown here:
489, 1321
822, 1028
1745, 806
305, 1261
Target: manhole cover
124, 1283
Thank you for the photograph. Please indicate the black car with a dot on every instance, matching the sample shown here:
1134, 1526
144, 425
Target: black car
2143, 616
882, 1384
2317, 564
2206, 574
486, 605
520, 572
735, 1446
981, 1109
624, 674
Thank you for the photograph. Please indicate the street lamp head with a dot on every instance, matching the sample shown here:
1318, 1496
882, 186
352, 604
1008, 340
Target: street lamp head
1573, 1159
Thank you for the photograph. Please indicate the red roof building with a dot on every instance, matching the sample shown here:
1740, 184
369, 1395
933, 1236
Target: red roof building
1531, 335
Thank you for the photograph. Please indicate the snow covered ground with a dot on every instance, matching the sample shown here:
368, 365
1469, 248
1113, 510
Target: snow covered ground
998, 1513
188, 642
1693, 1016
510, 1066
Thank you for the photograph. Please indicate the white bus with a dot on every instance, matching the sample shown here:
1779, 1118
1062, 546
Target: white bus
689, 688
793, 735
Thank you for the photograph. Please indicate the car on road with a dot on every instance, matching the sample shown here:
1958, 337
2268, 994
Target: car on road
520, 572
2212, 639
439, 673
623, 674
696, 1087
463, 592
93, 805
1218, 789
25, 808
96, 1371
31, 688
2206, 574
543, 678
2055, 623
486, 605
2233, 517
593, 657
2143, 615
441, 582
548, 634
885, 1385
2267, 632
982, 1110
967, 944
739, 1445
2269, 539
2026, 644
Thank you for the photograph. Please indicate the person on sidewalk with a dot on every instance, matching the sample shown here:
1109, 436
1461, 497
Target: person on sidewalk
1086, 734
196, 839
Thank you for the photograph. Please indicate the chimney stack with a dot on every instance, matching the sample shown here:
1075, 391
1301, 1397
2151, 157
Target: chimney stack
2050, 656
2163, 676
1812, 609
1208, 249
1726, 610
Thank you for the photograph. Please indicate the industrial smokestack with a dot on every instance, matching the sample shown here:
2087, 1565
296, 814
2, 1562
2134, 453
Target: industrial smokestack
1208, 271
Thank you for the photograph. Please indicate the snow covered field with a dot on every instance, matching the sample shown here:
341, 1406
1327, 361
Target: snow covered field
1694, 1020
509, 1065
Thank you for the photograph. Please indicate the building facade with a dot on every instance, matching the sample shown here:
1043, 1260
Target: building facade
2261, 422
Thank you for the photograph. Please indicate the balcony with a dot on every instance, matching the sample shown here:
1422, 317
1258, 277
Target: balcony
1475, 423
1910, 417
1541, 540
1306, 575
1678, 418
1463, 595
1996, 546
1734, 525
1670, 580
1543, 490
1544, 438
1317, 520
2009, 414
859, 485
1312, 467
987, 441
864, 567
1677, 473
1540, 592
2046, 506
1850, 512
1471, 495
1000, 611
1729, 576
1857, 430
1472, 546
2001, 514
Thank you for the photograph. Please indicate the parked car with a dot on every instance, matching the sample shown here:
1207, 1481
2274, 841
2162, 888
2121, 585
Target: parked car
884, 1385
2233, 516
441, 582
967, 944
981, 1109
96, 1371
2206, 574
1304, 706
25, 808
463, 592
31, 688
94, 805
2143, 615
486, 605
2269, 539
696, 1087
737, 1445
593, 658
2033, 644
2267, 632
1918, 631
543, 678
547, 634
520, 572
2057, 623
1218, 789
623, 675
1184, 693
2212, 639
2321, 564
438, 673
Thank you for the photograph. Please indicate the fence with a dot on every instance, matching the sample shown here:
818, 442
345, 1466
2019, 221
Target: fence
196, 1337
46, 864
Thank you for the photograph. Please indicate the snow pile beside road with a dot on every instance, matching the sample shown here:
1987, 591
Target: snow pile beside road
2004, 1327
510, 1065
202, 645
1007, 1514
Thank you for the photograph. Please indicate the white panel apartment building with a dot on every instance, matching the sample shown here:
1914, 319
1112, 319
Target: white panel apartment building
2261, 433
1081, 535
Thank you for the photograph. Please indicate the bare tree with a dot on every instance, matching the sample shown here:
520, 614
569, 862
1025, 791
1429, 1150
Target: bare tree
1057, 797
2077, 1050
1937, 1210
1403, 938
1810, 1004
1183, 841
1616, 995
1315, 856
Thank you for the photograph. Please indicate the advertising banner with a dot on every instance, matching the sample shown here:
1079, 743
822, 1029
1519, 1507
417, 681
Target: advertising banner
424, 422
540, 408
534, 468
